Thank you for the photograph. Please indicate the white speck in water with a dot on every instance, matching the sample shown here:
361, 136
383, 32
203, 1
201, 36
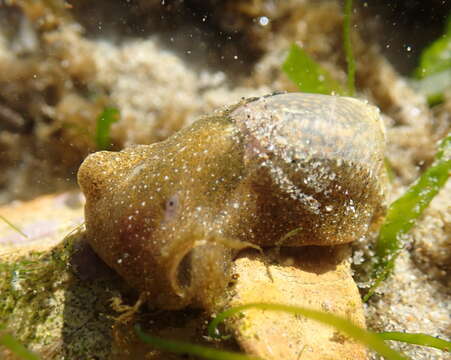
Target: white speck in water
263, 20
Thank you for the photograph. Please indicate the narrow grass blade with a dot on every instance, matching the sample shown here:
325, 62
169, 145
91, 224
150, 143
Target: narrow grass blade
14, 227
403, 212
368, 338
104, 121
11, 343
417, 339
180, 347
348, 47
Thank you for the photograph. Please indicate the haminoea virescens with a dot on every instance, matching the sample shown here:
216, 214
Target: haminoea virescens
169, 217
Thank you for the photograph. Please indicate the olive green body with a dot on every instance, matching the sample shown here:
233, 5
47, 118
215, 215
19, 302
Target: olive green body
169, 217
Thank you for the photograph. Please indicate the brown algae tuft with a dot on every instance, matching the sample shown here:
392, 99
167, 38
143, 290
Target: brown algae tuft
169, 217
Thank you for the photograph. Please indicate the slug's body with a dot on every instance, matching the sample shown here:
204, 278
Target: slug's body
169, 216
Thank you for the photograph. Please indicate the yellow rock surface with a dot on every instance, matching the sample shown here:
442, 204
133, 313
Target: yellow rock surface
312, 277
42, 222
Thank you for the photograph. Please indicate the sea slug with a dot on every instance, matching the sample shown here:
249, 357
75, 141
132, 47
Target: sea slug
169, 217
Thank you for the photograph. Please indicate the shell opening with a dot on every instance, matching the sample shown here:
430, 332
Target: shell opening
180, 273
181, 267
183, 271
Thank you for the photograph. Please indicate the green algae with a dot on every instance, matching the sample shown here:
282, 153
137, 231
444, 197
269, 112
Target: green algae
26, 286
30, 287
48, 306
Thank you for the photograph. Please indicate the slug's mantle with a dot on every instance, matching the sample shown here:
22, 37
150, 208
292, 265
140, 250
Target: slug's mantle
169, 216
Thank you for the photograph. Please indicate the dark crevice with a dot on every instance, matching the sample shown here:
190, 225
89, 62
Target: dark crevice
184, 271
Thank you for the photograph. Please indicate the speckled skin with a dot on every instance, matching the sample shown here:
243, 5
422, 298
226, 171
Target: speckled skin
169, 216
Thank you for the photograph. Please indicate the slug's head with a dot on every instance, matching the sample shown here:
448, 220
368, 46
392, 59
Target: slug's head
151, 212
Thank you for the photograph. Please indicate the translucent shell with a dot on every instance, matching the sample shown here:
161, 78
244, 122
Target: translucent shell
286, 169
